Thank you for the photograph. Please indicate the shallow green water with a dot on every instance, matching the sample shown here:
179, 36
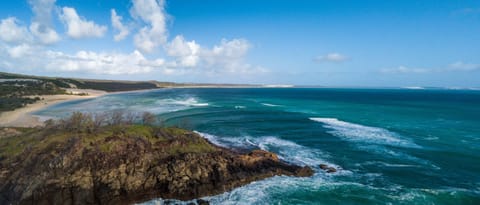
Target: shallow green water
391, 146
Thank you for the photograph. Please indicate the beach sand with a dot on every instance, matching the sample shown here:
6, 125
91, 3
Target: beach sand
23, 117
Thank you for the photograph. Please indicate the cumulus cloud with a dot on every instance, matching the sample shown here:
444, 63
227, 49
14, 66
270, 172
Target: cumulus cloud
46, 35
182, 56
229, 56
226, 57
12, 32
331, 57
28, 57
154, 33
41, 25
118, 25
102, 63
78, 27
185, 52
20, 50
403, 69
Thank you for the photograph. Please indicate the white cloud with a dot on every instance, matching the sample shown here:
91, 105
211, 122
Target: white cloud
331, 57
78, 27
11, 32
183, 57
20, 50
46, 35
118, 25
461, 66
185, 52
404, 70
41, 25
28, 57
102, 63
154, 33
227, 57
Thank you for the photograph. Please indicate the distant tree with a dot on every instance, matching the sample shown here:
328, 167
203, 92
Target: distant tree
99, 120
148, 118
50, 123
74, 123
80, 122
87, 123
116, 117
130, 118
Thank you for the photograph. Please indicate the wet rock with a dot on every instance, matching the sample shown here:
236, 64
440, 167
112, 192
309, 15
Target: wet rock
202, 202
327, 168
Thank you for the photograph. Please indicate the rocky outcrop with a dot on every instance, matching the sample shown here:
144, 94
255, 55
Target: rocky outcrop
327, 168
129, 169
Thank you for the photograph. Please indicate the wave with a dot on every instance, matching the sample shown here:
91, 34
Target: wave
286, 150
239, 107
414, 88
270, 105
187, 102
384, 164
373, 139
361, 133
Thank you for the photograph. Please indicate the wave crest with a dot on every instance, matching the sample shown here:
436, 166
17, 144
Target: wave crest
362, 133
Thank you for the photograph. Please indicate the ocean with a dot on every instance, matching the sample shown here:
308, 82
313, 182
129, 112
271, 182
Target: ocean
390, 146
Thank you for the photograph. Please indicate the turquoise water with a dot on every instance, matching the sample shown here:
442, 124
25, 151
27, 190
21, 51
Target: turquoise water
392, 146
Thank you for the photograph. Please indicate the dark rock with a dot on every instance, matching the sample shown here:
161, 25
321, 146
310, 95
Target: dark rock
327, 168
323, 166
331, 170
202, 202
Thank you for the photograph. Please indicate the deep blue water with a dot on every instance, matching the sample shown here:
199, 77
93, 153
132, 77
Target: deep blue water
392, 146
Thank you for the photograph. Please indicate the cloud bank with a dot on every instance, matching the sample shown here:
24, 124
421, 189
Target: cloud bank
32, 48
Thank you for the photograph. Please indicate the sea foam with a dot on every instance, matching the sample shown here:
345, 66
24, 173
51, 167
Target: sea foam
187, 102
365, 134
270, 105
287, 150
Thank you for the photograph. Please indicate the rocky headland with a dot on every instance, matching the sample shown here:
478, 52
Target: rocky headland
124, 165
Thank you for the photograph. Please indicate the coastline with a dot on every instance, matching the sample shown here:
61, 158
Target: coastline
23, 117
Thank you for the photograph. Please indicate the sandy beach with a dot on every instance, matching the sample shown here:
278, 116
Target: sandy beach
23, 117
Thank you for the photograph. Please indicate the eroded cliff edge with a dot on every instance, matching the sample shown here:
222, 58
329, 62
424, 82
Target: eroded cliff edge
124, 165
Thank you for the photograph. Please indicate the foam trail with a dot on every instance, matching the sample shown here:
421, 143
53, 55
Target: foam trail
373, 139
361, 133
270, 105
187, 102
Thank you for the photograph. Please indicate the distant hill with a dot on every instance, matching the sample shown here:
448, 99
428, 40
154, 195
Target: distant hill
105, 85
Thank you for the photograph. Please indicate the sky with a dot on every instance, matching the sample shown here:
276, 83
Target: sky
303, 42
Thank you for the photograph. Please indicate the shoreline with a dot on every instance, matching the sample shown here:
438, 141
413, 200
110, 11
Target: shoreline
23, 117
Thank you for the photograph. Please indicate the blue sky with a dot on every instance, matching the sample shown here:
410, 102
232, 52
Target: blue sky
330, 43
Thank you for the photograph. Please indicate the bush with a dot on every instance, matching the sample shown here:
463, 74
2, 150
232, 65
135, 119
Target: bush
148, 118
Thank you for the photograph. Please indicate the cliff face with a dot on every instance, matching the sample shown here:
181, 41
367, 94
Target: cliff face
124, 167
